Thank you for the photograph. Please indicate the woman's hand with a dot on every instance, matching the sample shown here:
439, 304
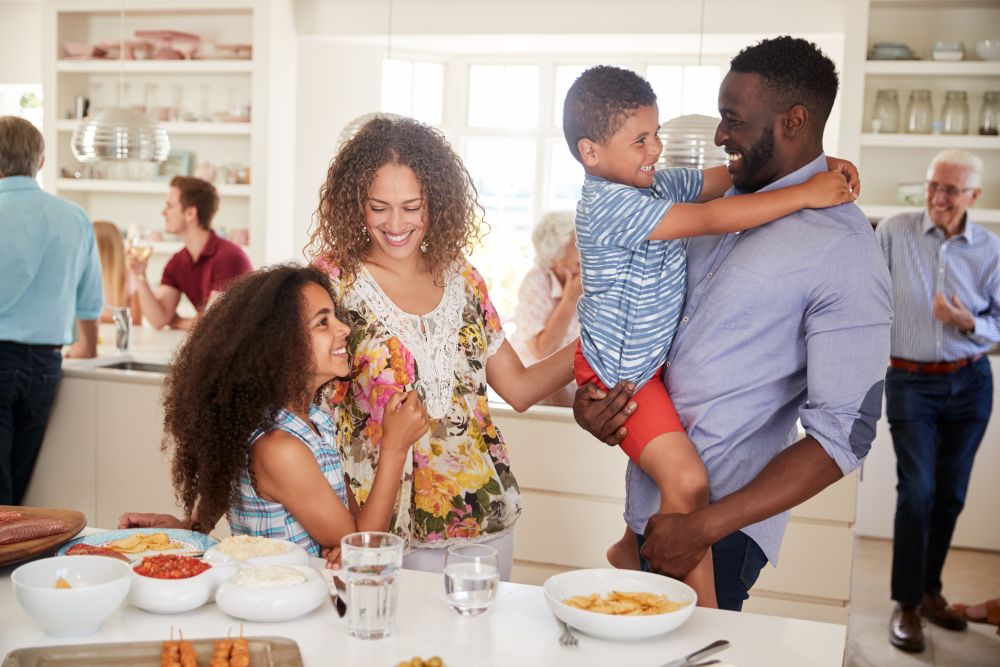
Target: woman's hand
138, 520
404, 421
573, 290
849, 171
826, 189
332, 557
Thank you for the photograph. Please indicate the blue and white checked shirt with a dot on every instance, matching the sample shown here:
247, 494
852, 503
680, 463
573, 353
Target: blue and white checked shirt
783, 321
264, 518
633, 289
922, 264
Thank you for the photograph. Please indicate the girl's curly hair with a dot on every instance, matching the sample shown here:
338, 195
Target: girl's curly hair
249, 355
454, 215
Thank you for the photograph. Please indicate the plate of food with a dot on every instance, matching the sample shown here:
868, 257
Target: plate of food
272, 593
620, 605
133, 543
250, 550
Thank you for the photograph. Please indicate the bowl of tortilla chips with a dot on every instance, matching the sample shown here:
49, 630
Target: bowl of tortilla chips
620, 605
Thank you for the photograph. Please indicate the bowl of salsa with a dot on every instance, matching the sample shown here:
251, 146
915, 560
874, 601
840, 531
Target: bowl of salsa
171, 584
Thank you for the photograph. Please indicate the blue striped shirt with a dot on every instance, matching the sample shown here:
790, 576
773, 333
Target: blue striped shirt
922, 263
264, 518
633, 289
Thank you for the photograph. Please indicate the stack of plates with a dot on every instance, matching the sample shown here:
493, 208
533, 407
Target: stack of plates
891, 51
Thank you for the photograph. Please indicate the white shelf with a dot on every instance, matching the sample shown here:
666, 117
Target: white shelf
229, 129
964, 141
156, 66
876, 212
932, 68
139, 187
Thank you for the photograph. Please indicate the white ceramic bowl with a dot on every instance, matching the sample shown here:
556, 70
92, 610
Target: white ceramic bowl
173, 596
295, 555
270, 605
617, 628
99, 586
988, 49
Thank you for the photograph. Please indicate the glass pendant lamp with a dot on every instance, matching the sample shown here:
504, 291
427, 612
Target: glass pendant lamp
118, 133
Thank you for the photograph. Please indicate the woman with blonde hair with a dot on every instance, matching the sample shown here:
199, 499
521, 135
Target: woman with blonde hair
398, 216
120, 289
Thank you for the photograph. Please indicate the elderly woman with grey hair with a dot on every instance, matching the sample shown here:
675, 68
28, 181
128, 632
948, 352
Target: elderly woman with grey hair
546, 309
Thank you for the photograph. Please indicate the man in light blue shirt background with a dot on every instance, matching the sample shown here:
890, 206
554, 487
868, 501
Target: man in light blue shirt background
50, 272
786, 321
939, 389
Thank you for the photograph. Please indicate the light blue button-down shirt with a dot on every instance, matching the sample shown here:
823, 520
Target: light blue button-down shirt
50, 271
923, 263
785, 321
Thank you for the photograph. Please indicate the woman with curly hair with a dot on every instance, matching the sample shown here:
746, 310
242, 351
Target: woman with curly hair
397, 214
246, 436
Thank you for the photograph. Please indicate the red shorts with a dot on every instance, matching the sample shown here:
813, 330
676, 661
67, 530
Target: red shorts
654, 416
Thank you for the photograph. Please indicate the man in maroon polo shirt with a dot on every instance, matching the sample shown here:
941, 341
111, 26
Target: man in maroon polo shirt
203, 269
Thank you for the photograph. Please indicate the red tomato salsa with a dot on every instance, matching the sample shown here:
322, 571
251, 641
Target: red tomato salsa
170, 566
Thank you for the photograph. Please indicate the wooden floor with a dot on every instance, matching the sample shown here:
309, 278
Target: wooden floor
969, 577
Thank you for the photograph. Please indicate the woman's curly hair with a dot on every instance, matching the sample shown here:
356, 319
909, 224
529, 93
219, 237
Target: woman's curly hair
249, 355
454, 215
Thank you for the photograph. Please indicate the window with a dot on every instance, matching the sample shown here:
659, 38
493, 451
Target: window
685, 90
25, 101
413, 89
503, 96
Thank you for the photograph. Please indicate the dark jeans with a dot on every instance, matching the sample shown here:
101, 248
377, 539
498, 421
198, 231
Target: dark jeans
737, 561
937, 423
28, 380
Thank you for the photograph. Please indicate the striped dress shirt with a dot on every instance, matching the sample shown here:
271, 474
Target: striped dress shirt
264, 518
633, 289
922, 263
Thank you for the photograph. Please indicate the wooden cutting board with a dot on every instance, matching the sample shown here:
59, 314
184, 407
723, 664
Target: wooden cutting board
41, 546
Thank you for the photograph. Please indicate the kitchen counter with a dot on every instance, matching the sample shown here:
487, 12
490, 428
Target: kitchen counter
148, 346
519, 630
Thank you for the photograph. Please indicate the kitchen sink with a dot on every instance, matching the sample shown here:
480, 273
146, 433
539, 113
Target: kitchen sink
139, 366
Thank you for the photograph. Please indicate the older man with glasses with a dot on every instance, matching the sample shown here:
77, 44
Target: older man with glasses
939, 389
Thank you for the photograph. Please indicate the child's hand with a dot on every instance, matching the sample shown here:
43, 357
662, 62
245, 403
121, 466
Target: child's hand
849, 171
826, 189
404, 422
332, 557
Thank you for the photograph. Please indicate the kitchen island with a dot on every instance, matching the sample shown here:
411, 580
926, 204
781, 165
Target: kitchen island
519, 630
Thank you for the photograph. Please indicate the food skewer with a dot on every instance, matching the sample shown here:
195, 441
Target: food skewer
241, 651
189, 657
222, 648
171, 653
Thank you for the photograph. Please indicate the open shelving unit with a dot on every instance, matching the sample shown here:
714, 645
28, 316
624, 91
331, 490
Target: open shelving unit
141, 187
225, 129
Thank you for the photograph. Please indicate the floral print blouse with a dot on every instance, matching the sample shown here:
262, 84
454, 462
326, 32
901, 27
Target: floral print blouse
457, 486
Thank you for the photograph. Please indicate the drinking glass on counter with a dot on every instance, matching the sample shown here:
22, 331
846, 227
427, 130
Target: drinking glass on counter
139, 242
989, 114
956, 112
370, 564
919, 113
471, 578
885, 115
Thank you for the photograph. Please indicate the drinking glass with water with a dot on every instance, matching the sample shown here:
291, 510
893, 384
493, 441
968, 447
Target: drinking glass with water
370, 569
471, 578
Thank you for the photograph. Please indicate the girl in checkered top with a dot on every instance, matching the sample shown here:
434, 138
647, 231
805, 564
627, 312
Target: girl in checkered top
246, 437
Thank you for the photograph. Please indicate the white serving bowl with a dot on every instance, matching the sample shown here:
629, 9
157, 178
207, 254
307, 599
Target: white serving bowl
617, 628
173, 596
271, 605
988, 49
295, 556
99, 586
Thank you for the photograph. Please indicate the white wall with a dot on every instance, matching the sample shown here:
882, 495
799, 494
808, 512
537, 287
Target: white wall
20, 41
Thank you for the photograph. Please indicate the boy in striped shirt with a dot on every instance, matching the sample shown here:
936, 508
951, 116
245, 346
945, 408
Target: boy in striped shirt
629, 224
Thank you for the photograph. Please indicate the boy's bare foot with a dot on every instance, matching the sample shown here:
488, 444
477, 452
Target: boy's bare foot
624, 554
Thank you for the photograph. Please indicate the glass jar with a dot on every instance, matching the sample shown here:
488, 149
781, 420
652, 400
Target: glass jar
955, 113
885, 115
989, 115
919, 113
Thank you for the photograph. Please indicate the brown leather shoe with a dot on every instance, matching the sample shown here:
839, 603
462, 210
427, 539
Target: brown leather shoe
905, 629
935, 609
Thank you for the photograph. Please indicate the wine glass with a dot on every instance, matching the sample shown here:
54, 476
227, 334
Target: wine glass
139, 243
471, 578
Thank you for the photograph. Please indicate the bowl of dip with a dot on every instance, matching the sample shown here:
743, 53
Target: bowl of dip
171, 584
272, 593
250, 551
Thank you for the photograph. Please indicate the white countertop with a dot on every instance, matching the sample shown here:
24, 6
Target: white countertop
519, 630
148, 345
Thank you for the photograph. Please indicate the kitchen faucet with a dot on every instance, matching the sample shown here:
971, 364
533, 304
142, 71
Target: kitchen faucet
123, 327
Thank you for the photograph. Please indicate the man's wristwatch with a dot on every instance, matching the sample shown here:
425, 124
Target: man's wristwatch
970, 331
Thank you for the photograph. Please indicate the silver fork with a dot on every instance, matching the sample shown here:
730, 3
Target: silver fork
567, 638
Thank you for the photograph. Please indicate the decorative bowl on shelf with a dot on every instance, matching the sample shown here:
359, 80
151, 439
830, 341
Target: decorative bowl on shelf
988, 49
911, 194
82, 51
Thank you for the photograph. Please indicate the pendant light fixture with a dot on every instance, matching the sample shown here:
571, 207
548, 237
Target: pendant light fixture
118, 133
689, 140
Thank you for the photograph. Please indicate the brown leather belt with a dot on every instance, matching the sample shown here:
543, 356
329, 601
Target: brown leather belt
40, 347
935, 368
